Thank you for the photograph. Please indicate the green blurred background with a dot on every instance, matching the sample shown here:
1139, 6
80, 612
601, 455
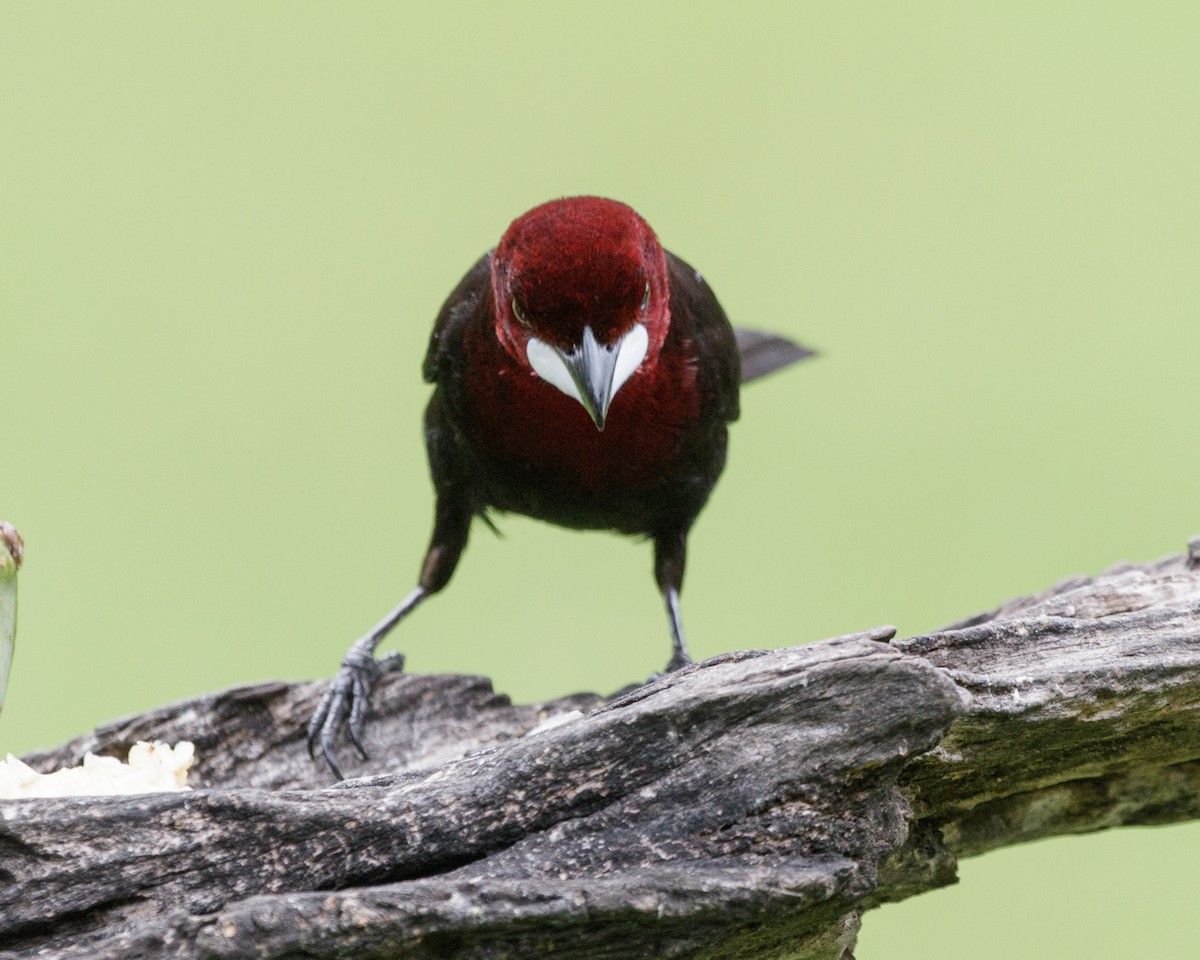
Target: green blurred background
225, 229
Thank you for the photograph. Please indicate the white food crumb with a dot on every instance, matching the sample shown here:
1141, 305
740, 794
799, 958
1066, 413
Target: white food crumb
152, 768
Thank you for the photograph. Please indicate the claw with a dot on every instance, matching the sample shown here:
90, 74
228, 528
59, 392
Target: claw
356, 739
318, 720
327, 749
358, 715
329, 716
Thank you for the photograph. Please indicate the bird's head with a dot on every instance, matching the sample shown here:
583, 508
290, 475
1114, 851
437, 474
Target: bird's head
581, 297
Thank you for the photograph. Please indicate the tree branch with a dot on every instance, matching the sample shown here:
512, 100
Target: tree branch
751, 805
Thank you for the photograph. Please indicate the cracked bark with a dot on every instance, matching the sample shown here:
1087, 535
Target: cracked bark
751, 805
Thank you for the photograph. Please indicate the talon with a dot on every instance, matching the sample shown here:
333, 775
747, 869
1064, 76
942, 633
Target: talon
356, 739
358, 717
317, 722
327, 749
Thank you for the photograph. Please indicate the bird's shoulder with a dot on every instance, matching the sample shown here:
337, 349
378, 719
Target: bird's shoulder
465, 300
700, 328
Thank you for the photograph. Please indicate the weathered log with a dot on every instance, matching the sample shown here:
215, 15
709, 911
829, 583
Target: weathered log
750, 805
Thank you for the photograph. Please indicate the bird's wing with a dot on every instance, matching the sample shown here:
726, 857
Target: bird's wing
461, 303
764, 353
698, 317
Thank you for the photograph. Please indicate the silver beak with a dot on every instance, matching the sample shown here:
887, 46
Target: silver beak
592, 373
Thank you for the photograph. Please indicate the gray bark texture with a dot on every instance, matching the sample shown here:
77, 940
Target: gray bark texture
753, 805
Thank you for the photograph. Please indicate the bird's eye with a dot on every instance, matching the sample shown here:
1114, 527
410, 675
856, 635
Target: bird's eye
646, 299
519, 313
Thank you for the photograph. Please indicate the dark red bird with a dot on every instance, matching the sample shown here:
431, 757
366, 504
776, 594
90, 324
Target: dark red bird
585, 376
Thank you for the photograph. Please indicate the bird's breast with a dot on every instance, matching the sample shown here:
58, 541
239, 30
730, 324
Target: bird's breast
522, 427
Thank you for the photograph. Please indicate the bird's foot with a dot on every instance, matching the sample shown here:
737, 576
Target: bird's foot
345, 702
677, 663
680, 660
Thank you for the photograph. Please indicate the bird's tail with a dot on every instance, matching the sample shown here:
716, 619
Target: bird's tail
764, 353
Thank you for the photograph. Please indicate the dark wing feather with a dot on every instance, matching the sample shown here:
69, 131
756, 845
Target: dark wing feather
698, 318
764, 353
447, 329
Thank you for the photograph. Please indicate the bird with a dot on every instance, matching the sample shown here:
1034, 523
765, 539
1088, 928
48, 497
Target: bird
582, 375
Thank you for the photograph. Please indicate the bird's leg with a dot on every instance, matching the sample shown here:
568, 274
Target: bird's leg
347, 696
670, 552
679, 651
346, 699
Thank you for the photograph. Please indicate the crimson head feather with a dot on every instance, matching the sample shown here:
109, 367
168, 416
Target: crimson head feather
581, 297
